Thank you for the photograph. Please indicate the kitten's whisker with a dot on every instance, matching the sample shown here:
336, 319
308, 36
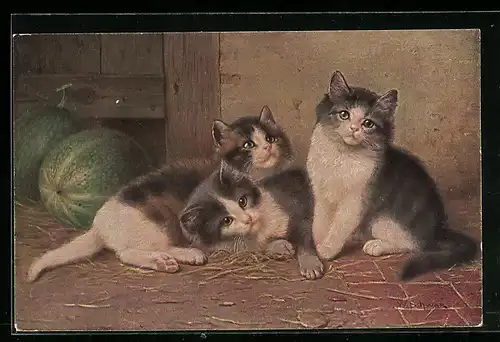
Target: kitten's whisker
247, 166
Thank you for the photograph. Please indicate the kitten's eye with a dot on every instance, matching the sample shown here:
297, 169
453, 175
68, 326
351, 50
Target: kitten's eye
249, 144
226, 221
368, 123
243, 202
270, 138
344, 115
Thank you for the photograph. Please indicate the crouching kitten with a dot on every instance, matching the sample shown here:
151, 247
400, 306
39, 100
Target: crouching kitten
276, 212
140, 223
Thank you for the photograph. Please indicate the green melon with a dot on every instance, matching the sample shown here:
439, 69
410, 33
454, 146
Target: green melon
84, 170
37, 131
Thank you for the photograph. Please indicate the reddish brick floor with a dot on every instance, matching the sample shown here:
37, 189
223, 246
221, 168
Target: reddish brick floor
450, 297
358, 291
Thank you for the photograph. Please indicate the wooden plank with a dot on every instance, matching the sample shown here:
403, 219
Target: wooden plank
192, 92
57, 54
132, 54
103, 97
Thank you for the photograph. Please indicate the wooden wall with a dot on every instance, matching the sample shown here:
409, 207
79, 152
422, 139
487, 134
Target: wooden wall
139, 83
437, 73
166, 89
113, 76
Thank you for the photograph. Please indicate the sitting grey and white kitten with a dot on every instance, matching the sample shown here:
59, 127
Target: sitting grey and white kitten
276, 212
364, 185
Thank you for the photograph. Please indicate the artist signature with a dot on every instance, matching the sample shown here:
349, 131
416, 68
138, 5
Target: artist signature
420, 305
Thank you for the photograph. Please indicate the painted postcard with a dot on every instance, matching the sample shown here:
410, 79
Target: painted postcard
320, 180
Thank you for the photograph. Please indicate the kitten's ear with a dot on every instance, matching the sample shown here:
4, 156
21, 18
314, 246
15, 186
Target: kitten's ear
228, 174
266, 116
387, 103
220, 132
338, 85
191, 218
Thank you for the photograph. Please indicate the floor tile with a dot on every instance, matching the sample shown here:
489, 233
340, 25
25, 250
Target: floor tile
346, 319
383, 318
471, 293
359, 271
461, 274
473, 316
377, 295
433, 318
391, 269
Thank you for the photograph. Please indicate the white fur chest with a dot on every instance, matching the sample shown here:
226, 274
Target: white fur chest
274, 219
334, 170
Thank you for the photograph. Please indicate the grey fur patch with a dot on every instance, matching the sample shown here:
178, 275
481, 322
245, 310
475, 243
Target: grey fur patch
161, 194
291, 189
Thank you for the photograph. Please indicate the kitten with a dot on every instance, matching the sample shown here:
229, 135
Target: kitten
140, 222
363, 184
276, 212
255, 145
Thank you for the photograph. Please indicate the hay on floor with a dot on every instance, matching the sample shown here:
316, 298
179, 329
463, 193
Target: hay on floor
38, 229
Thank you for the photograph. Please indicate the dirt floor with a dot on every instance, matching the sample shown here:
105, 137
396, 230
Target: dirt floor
244, 291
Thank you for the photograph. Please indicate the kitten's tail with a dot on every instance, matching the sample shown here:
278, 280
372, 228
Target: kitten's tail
452, 248
83, 246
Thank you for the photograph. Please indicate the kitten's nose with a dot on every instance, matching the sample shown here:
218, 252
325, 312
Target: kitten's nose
354, 128
267, 147
247, 219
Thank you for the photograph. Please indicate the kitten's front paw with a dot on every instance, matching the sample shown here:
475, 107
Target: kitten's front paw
193, 256
326, 252
280, 250
374, 247
164, 262
311, 267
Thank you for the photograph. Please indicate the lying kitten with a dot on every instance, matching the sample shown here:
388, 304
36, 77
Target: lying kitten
140, 222
275, 212
365, 185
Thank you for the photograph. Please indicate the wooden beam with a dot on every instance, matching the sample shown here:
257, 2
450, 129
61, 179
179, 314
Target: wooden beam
57, 54
192, 92
95, 97
132, 54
